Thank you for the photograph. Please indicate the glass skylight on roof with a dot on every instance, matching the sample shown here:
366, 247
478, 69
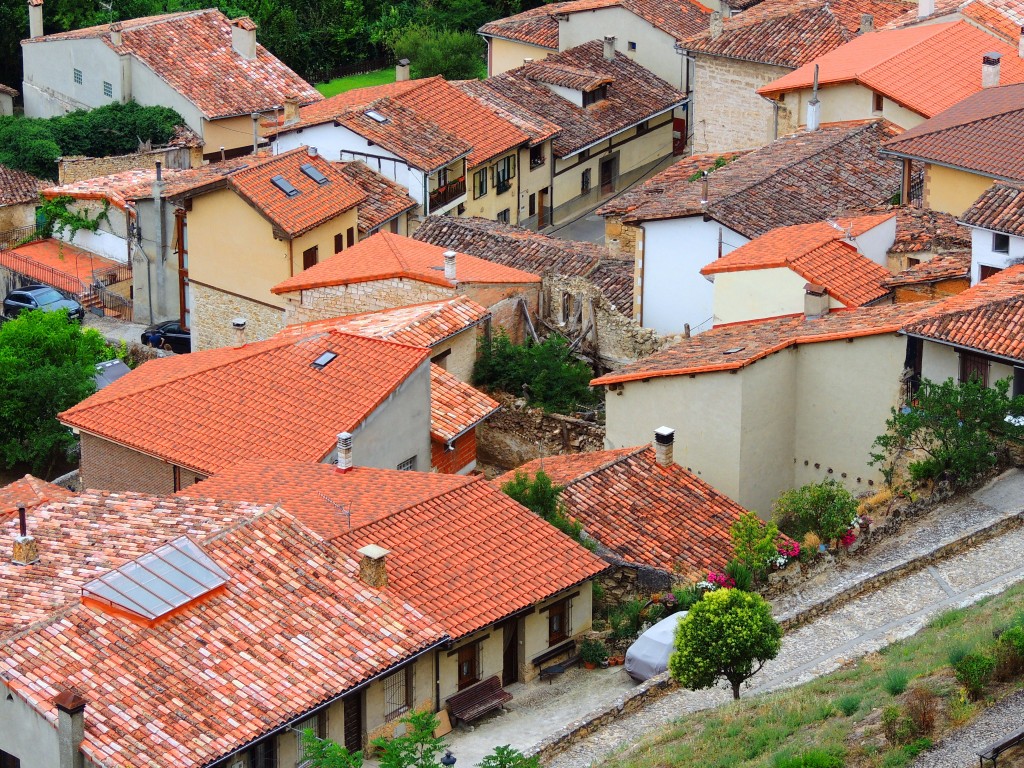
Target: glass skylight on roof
314, 174
373, 114
284, 185
323, 360
160, 581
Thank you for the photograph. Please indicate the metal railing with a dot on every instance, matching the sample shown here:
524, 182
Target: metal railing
41, 272
16, 236
445, 194
111, 275
113, 303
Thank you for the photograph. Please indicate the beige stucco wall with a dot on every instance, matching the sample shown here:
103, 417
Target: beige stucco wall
759, 293
950, 190
535, 627
848, 101
227, 132
503, 55
488, 206
212, 313
15, 216
489, 656
26, 734
941, 361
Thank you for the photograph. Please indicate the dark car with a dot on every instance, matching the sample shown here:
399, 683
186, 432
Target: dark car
41, 297
168, 335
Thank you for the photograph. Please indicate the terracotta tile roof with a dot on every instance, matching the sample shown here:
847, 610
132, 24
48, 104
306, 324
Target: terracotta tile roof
327, 110
328, 501
203, 67
6, 89
820, 254
732, 347
983, 133
211, 409
947, 266
789, 33
1003, 17
533, 252
290, 630
385, 199
647, 514
29, 492
798, 179
419, 325
537, 127
18, 187
455, 407
633, 95
926, 69
564, 76
922, 229
1000, 208
987, 317
385, 255
474, 556
539, 26
314, 203
40, 258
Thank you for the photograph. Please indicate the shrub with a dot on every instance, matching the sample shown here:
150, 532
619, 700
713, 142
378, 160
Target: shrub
957, 653
848, 704
921, 706
687, 596
742, 576
809, 547
946, 618
816, 758
754, 542
974, 672
1009, 654
895, 726
593, 651
826, 508
508, 757
895, 681
541, 496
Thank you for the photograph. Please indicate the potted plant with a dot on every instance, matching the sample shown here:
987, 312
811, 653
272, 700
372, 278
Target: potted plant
592, 653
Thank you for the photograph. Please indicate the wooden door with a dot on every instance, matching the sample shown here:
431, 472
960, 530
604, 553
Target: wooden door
542, 208
468, 667
510, 654
608, 175
353, 713
678, 135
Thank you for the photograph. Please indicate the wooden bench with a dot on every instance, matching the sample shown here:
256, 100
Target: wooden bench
474, 702
994, 750
552, 671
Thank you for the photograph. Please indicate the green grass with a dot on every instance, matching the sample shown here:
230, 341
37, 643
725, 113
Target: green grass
342, 84
836, 717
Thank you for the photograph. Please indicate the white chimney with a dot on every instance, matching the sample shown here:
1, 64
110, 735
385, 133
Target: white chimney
312, 151
704, 189
990, 69
243, 37
239, 325
609, 47
664, 437
527, 60
867, 23
814, 106
449, 265
115, 34
343, 461
716, 25
402, 71
70, 728
291, 108
35, 18
26, 551
1020, 43
925, 8
816, 301
373, 567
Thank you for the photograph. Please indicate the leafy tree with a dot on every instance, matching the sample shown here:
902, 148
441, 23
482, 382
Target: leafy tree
455, 54
28, 145
416, 748
826, 508
46, 366
541, 496
508, 757
754, 542
324, 753
724, 635
955, 427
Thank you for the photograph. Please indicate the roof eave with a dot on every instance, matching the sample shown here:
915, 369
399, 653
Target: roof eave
634, 124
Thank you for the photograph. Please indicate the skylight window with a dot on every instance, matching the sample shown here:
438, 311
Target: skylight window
373, 114
322, 362
733, 351
160, 581
314, 174
284, 185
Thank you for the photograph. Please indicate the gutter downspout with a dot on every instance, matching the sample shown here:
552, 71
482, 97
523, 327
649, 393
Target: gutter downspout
149, 273
775, 116
161, 233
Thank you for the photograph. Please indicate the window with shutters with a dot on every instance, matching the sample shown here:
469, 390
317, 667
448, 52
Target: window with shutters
310, 257
558, 622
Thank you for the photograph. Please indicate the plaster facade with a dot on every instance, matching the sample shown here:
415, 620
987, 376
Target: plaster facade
17, 216
756, 294
25, 734
846, 101
504, 54
984, 253
951, 190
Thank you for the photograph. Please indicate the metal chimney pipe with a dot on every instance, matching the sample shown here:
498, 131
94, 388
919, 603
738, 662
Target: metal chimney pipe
22, 521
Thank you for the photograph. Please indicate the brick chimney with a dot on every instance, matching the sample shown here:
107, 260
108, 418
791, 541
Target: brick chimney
449, 265
609, 47
239, 325
373, 566
925, 8
716, 25
990, 69
35, 18
291, 108
816, 301
867, 23
26, 551
402, 71
343, 459
243, 37
664, 437
70, 728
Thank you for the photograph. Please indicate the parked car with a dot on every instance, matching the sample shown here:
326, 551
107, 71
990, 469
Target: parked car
168, 335
648, 655
41, 297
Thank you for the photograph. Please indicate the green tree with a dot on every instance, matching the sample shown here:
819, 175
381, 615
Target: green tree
454, 54
728, 634
826, 508
324, 753
29, 146
754, 542
416, 748
955, 428
542, 497
508, 757
47, 365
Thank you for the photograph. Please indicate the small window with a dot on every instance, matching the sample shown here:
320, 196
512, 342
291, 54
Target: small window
643, 127
912, 262
986, 271
1018, 382
78, 76
558, 622
503, 172
585, 182
397, 694
533, 205
264, 754
537, 156
108, 90
350, 237
597, 94
631, 45
314, 173
973, 367
1000, 242
408, 465
480, 183
310, 257
505, 216
339, 243
284, 185
393, 226
318, 725
878, 101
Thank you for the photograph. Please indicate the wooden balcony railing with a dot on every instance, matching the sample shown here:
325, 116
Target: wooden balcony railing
445, 194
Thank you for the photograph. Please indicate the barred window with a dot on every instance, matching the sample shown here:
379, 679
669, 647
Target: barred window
78, 76
408, 465
108, 89
397, 694
318, 725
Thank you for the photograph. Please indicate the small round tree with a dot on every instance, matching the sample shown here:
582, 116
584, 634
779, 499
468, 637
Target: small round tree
728, 634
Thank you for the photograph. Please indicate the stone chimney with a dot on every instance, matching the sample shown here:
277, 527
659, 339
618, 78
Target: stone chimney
26, 551
925, 8
704, 192
35, 18
609, 47
70, 728
239, 325
664, 437
291, 108
816, 301
716, 25
449, 265
726, 9
243, 37
990, 69
343, 461
115, 34
373, 566
402, 71
867, 23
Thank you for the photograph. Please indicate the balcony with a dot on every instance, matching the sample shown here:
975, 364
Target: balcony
503, 186
446, 193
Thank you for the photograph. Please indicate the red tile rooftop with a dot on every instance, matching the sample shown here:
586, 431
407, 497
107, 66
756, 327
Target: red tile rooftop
29, 492
455, 407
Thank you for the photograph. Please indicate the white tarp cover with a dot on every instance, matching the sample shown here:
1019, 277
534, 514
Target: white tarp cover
648, 656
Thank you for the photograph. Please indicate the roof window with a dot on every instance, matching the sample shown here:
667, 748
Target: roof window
284, 185
314, 174
324, 360
373, 114
733, 351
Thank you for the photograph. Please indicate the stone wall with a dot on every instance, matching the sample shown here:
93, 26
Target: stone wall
620, 238
76, 168
338, 300
213, 311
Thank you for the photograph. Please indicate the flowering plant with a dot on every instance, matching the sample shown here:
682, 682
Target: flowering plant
721, 580
849, 537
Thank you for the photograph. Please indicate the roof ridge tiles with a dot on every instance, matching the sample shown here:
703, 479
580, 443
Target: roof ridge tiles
606, 465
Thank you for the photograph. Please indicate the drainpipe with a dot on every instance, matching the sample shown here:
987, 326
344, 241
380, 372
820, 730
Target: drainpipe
775, 116
145, 256
161, 237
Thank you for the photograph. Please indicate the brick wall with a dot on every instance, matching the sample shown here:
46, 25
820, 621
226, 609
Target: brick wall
450, 462
213, 311
112, 467
334, 301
